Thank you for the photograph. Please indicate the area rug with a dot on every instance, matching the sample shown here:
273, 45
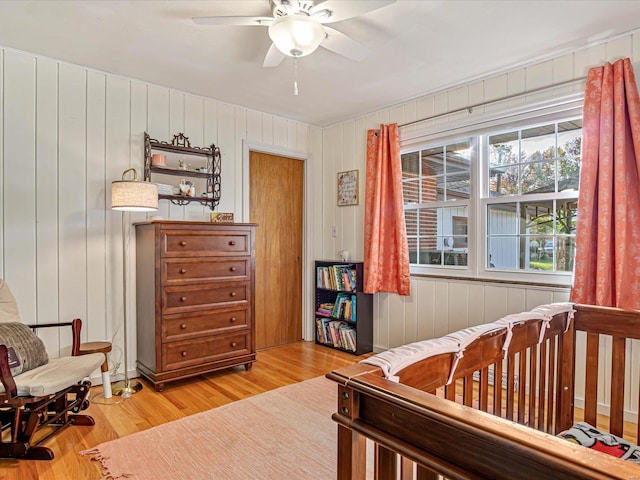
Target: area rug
285, 433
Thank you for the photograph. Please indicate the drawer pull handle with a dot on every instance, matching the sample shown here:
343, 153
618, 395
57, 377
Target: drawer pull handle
233, 269
184, 354
232, 243
233, 344
183, 299
183, 326
183, 270
183, 243
232, 319
233, 294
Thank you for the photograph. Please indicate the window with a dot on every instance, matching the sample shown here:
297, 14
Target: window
437, 190
532, 197
522, 185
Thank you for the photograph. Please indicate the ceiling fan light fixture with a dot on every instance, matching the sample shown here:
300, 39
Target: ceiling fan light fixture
296, 35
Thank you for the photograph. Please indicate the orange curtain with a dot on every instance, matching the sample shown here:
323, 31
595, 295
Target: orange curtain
386, 253
607, 267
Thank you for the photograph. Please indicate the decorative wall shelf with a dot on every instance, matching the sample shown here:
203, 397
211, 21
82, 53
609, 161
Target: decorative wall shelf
209, 158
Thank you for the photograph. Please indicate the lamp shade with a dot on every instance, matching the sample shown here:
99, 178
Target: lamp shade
134, 196
296, 35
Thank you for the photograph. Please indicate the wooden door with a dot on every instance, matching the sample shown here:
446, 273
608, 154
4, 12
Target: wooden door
276, 205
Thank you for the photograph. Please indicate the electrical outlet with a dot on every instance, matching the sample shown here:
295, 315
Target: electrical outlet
334, 231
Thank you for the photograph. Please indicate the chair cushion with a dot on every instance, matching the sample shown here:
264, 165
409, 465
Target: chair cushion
56, 375
8, 305
29, 350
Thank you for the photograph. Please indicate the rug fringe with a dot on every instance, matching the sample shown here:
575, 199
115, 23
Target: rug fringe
96, 456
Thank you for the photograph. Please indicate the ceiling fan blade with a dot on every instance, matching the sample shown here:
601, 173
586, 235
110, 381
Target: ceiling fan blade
341, 10
245, 21
339, 43
274, 57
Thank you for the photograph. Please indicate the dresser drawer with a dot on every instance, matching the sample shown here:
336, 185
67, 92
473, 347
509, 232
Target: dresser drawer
190, 298
180, 271
208, 349
189, 243
184, 326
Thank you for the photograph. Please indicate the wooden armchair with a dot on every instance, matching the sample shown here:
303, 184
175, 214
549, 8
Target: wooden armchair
36, 391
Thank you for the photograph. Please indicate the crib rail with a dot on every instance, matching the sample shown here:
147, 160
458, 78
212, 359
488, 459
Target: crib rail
445, 438
450, 429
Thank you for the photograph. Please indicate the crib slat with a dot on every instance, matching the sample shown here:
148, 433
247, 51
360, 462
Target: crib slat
406, 469
386, 465
484, 389
522, 377
450, 391
617, 385
497, 389
551, 385
511, 367
533, 357
426, 474
591, 380
467, 390
542, 384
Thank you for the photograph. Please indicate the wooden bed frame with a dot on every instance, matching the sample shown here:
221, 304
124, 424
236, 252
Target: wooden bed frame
416, 433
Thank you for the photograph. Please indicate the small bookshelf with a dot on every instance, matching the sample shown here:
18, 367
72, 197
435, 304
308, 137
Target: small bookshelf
343, 312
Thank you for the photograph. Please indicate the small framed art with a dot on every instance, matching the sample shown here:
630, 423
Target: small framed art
348, 188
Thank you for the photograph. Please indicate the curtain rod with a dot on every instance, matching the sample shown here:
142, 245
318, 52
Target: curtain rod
495, 100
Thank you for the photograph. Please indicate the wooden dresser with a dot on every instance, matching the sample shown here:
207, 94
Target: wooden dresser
195, 298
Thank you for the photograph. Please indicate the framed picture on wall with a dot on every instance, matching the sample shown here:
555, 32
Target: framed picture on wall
348, 188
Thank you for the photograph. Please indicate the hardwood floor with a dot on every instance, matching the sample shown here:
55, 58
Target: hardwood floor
274, 368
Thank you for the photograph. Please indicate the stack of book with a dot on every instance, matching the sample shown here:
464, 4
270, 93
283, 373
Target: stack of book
336, 334
337, 277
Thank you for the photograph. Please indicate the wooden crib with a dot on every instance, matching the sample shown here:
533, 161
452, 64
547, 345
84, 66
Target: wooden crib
477, 428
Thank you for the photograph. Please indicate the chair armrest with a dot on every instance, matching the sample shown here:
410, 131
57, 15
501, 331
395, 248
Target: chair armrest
76, 326
5, 373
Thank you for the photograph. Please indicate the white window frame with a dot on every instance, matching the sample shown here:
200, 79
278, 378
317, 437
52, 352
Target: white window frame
479, 126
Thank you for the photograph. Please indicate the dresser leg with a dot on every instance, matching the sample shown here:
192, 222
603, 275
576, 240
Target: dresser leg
247, 366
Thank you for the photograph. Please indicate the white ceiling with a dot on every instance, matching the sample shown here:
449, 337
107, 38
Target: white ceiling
417, 47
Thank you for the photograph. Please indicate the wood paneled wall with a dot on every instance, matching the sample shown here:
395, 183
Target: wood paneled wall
66, 132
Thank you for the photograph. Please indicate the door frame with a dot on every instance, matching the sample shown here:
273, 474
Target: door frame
307, 227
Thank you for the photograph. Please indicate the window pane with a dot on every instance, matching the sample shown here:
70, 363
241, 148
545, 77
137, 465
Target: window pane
458, 186
565, 253
538, 177
568, 174
503, 181
429, 255
432, 161
410, 165
569, 138
430, 189
413, 250
458, 157
440, 188
502, 219
411, 221
503, 149
566, 216
429, 226
537, 218
410, 191
538, 143
503, 252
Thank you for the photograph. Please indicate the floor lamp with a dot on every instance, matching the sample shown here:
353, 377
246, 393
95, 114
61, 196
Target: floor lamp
130, 196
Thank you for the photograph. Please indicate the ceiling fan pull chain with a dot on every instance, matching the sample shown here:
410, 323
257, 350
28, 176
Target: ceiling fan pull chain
295, 76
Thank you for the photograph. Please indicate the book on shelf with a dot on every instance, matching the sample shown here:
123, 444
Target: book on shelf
337, 277
336, 333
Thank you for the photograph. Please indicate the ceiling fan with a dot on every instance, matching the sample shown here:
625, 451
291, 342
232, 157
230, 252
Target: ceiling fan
298, 27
